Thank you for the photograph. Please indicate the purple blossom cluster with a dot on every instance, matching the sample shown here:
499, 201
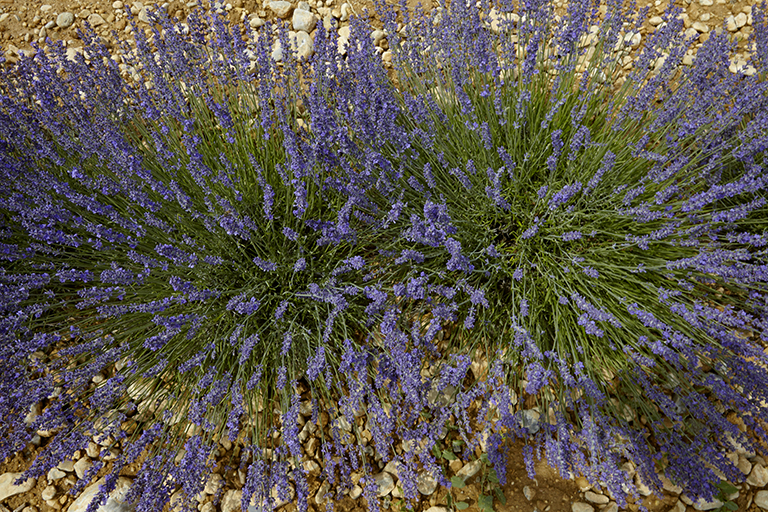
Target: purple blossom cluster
236, 261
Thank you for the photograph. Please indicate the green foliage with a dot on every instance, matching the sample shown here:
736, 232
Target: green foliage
726, 489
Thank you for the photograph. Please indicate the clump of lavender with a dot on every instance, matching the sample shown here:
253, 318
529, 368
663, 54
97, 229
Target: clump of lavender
171, 275
601, 240
225, 231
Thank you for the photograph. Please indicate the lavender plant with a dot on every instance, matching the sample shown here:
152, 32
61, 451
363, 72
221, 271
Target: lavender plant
599, 239
168, 276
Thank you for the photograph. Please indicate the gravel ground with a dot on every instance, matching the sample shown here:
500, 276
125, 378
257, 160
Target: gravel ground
22, 22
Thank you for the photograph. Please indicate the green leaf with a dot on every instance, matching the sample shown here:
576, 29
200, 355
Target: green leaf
726, 487
486, 502
731, 505
493, 477
447, 454
500, 496
484, 458
449, 499
461, 505
457, 482
436, 451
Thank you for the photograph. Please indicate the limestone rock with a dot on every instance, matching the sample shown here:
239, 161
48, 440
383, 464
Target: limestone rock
65, 20
7, 489
281, 8
304, 21
115, 502
581, 507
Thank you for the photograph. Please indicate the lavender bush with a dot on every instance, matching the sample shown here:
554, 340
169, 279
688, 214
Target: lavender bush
197, 252
600, 240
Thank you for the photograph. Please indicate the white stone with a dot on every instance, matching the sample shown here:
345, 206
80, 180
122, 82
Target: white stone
581, 507
669, 486
95, 20
65, 20
321, 497
67, 465
744, 465
115, 502
611, 507
656, 21
277, 51
384, 483
144, 15
230, 502
48, 493
82, 466
741, 20
356, 492
46, 7
700, 27
304, 21
117, 4
598, 499
55, 474
214, 483
758, 477
7, 489
426, 484
707, 505
281, 8
679, 507
730, 24
761, 499
436, 509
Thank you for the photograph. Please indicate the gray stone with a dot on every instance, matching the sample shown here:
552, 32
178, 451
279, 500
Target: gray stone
115, 502
761, 499
426, 484
758, 477
581, 507
7, 489
384, 483
65, 20
598, 499
281, 8
469, 470
304, 21
529, 493
529, 419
